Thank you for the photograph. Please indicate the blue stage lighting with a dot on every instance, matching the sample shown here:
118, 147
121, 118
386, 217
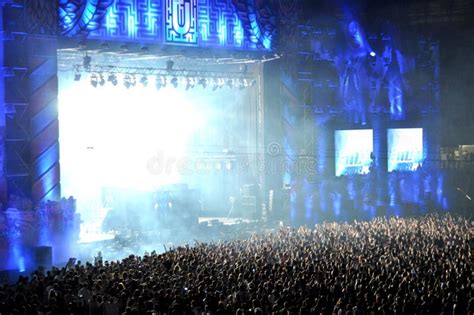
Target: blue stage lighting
113, 79
94, 80
169, 65
174, 82
101, 80
144, 80
203, 83
86, 61
128, 81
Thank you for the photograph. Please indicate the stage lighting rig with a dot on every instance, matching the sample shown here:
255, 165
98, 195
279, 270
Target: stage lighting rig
112, 79
188, 78
160, 82
129, 81
144, 80
169, 65
243, 83
174, 82
94, 80
215, 84
203, 82
101, 79
189, 83
86, 61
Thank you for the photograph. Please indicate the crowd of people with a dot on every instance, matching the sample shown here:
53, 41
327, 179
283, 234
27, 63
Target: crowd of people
384, 266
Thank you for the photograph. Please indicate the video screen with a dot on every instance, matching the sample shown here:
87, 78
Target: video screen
405, 149
353, 151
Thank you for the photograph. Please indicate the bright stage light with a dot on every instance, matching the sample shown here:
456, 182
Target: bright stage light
86, 61
160, 82
144, 81
94, 80
126, 128
174, 82
203, 82
373, 54
101, 80
169, 65
129, 81
189, 83
113, 79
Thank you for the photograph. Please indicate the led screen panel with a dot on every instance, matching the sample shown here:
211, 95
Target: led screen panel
405, 149
353, 151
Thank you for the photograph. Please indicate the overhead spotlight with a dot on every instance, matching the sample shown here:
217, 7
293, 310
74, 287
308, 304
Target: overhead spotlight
242, 84
174, 82
221, 82
215, 85
113, 79
189, 83
169, 65
144, 80
127, 81
202, 82
101, 79
94, 80
160, 82
372, 58
86, 61
77, 76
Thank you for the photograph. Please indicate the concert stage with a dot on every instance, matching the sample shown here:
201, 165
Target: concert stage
245, 109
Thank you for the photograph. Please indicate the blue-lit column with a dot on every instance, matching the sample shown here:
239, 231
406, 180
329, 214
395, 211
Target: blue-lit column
323, 144
3, 188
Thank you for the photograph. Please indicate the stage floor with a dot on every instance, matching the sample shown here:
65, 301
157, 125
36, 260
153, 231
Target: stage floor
224, 221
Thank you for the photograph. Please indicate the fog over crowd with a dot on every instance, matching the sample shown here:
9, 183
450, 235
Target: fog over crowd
384, 266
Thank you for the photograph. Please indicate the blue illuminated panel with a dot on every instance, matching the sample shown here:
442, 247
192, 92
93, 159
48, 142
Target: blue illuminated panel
132, 19
205, 23
353, 150
181, 21
219, 25
405, 149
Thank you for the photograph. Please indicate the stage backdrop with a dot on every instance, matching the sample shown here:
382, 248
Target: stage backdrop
142, 139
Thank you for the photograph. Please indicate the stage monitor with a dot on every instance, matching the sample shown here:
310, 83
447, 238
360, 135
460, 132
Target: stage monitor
405, 149
353, 151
